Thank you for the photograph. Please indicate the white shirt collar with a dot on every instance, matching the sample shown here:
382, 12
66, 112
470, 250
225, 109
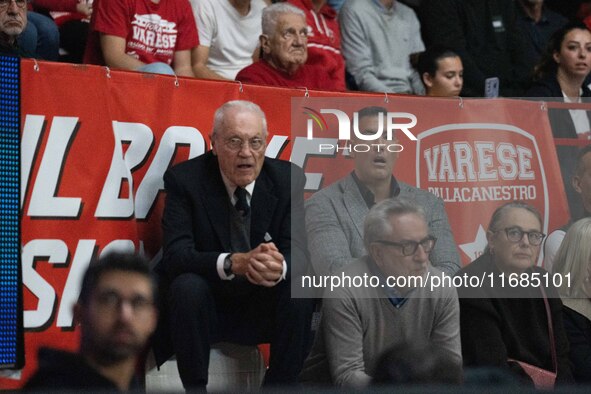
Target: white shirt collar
568, 100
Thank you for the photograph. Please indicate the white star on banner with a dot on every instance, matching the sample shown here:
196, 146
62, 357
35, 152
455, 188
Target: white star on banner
475, 249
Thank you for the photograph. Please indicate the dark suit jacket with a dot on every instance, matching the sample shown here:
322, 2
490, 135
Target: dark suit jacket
500, 322
468, 27
578, 330
560, 119
196, 220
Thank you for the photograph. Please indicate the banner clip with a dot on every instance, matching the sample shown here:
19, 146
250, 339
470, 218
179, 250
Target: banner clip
543, 106
240, 88
306, 94
461, 104
386, 99
108, 72
36, 65
176, 81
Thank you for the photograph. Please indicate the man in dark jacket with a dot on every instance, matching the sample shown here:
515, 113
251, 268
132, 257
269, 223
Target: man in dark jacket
117, 314
484, 34
13, 20
233, 238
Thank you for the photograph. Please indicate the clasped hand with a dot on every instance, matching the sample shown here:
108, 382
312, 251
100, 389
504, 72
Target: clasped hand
262, 266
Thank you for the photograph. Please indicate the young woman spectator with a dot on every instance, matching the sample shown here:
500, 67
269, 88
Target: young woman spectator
501, 323
441, 71
574, 259
561, 74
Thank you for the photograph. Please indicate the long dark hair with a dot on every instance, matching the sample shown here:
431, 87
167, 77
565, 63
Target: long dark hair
547, 65
428, 59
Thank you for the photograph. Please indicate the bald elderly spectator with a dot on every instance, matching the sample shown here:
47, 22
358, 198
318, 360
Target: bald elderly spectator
284, 53
228, 31
13, 20
324, 38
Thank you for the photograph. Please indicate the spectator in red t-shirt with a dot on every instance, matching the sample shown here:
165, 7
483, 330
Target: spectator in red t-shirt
284, 53
324, 38
143, 35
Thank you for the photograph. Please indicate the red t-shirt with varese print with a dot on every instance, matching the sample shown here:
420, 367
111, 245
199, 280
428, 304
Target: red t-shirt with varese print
153, 32
307, 76
324, 40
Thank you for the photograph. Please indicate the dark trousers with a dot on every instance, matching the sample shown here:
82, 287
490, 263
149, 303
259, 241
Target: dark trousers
202, 313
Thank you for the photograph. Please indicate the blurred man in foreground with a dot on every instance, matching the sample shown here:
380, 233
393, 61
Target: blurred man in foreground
117, 314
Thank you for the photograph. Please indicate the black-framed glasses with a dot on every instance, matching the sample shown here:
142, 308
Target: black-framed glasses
515, 234
19, 3
409, 248
112, 301
235, 144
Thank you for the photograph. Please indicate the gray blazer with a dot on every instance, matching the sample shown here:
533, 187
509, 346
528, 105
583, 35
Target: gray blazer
334, 222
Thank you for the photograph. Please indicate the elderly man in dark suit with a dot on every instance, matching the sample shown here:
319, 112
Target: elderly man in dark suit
335, 215
231, 244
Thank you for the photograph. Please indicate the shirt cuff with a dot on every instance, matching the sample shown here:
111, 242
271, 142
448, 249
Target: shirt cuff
284, 273
220, 267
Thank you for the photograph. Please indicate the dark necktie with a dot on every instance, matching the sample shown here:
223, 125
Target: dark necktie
241, 203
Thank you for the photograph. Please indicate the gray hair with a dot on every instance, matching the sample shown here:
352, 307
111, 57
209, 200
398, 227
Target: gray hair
244, 106
271, 15
377, 221
573, 256
580, 166
500, 212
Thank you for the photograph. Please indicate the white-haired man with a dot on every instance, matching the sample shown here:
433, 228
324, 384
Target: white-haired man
284, 53
233, 237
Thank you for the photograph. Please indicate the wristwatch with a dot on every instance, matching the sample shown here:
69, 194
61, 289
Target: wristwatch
228, 265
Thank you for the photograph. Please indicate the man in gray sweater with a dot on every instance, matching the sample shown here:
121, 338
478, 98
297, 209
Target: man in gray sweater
335, 214
378, 39
385, 299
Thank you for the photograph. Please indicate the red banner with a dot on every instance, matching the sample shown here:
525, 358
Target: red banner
95, 144
474, 154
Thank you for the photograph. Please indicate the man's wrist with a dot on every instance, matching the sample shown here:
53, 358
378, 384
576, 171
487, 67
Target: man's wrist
219, 265
228, 265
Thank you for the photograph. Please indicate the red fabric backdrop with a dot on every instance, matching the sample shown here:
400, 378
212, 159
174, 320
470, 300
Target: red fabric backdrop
95, 144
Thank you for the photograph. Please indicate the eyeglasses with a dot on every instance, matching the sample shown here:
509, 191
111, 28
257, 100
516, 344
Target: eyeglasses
112, 302
409, 248
19, 3
236, 144
515, 234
